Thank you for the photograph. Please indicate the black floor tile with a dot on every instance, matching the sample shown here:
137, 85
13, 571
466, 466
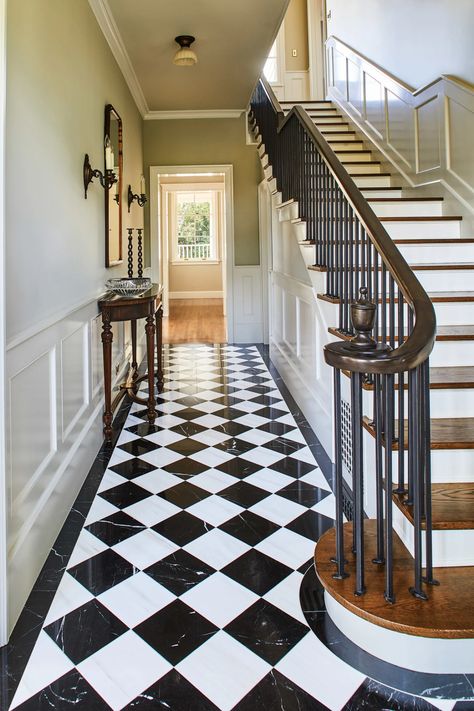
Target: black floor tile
249, 527
303, 493
235, 446
240, 468
176, 631
179, 572
133, 468
284, 446
144, 429
257, 571
102, 572
277, 428
244, 494
292, 467
187, 447
185, 468
70, 691
115, 528
188, 429
311, 525
125, 494
275, 691
182, 528
171, 693
233, 429
267, 631
184, 494
138, 447
100, 625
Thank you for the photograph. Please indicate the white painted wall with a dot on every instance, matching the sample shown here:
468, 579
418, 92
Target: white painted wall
415, 40
60, 76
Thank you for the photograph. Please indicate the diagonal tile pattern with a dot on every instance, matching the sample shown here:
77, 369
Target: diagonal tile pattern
183, 589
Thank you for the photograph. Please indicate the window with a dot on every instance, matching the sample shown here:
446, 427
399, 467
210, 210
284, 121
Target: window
195, 225
271, 65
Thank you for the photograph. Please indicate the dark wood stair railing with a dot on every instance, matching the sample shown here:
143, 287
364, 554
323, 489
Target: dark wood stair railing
389, 328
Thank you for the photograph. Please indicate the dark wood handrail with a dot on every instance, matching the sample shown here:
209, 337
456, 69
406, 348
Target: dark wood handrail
419, 344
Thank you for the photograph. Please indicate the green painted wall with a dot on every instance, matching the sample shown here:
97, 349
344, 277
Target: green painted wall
213, 142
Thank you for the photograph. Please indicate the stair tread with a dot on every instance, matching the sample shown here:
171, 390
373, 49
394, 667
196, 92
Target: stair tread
443, 333
446, 432
406, 199
452, 506
435, 296
442, 240
426, 218
447, 613
441, 378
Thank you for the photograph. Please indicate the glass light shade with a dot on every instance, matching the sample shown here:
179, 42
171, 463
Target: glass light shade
185, 57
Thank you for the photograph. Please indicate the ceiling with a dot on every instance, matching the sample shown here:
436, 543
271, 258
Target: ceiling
233, 38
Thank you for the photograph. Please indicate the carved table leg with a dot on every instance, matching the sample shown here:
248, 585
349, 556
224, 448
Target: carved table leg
107, 337
133, 327
159, 348
150, 353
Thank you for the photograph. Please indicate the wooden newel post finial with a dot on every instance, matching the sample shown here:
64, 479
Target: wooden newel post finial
363, 319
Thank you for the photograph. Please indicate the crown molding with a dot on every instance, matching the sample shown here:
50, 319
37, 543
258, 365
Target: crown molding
109, 28
193, 114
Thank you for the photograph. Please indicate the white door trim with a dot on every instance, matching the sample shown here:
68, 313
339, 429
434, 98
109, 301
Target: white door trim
316, 49
3, 483
159, 245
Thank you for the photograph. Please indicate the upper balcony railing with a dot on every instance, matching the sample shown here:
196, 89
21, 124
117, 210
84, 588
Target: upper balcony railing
378, 294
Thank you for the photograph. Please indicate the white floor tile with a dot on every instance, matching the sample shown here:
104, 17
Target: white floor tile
109, 480
219, 598
146, 548
316, 478
161, 457
217, 548
119, 455
69, 596
168, 421
210, 421
263, 457
257, 436
214, 480
126, 436
304, 455
212, 457
117, 685
278, 509
286, 596
327, 507
215, 510
251, 420
210, 437
164, 437
152, 510
224, 670
269, 480
288, 547
136, 599
320, 673
157, 480
46, 664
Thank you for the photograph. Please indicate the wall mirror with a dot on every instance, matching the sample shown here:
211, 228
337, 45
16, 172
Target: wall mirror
113, 160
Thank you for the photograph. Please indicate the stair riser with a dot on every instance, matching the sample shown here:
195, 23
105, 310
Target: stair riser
443, 403
262, 150
288, 212
454, 313
268, 172
442, 279
423, 230
338, 131
353, 145
307, 253
452, 353
365, 157
372, 168
382, 193
308, 107
373, 181
454, 465
407, 209
322, 120
437, 253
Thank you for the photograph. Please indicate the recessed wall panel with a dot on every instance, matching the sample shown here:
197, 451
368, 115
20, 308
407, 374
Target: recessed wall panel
355, 86
428, 132
73, 377
401, 128
290, 320
461, 142
307, 337
374, 104
340, 73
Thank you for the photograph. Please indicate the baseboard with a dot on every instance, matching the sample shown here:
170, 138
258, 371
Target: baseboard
196, 295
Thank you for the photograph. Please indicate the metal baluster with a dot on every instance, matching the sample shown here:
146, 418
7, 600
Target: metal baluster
347, 263
379, 559
338, 479
414, 438
411, 415
358, 479
428, 578
401, 403
388, 388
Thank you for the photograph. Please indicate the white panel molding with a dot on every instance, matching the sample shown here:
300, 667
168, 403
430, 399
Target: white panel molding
107, 24
296, 85
71, 440
3, 512
248, 316
193, 114
420, 143
195, 294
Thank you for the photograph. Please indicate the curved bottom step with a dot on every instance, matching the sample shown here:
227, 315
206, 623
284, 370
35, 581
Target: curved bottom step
439, 631
388, 685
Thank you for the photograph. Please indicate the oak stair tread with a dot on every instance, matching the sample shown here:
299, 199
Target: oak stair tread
446, 432
452, 506
446, 614
435, 296
426, 218
405, 199
441, 378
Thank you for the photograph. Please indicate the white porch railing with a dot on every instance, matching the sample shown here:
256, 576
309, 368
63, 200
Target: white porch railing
194, 251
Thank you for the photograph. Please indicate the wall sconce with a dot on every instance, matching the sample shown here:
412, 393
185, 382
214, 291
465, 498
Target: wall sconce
141, 199
89, 173
185, 57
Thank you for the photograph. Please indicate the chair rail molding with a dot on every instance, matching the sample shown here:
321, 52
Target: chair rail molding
427, 133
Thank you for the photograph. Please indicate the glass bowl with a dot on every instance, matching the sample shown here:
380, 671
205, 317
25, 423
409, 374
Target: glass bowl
128, 286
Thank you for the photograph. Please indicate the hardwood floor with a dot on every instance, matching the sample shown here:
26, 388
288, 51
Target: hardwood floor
195, 321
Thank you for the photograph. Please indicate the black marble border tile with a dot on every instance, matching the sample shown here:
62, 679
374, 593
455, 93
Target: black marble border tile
386, 680
14, 655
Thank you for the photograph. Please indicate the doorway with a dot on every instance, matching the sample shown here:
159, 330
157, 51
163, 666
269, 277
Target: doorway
191, 232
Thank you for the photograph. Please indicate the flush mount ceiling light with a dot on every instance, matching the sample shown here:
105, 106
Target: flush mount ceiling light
185, 57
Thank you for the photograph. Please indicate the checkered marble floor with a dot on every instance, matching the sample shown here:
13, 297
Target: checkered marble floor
182, 591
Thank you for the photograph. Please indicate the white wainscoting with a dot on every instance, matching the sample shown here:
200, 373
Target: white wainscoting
53, 432
248, 304
427, 134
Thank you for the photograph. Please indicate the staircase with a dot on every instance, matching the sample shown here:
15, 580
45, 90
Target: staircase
433, 244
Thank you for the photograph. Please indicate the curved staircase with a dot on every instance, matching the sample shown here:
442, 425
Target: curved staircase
442, 258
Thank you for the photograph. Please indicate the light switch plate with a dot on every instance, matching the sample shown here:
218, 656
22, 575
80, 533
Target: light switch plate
294, 53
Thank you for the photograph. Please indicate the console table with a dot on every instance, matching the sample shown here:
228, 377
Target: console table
126, 308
